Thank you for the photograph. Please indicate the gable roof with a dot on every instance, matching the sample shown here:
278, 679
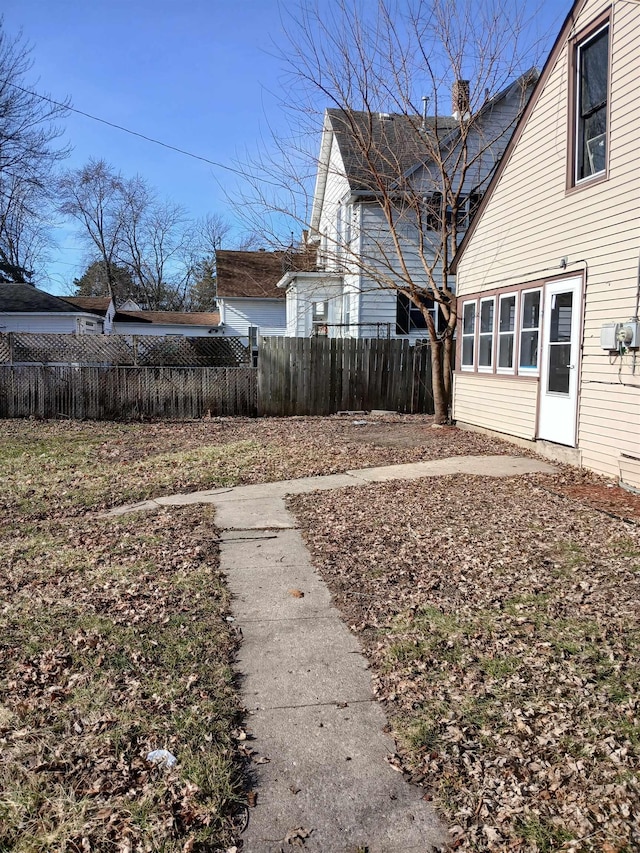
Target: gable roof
174, 318
27, 299
249, 274
384, 145
558, 45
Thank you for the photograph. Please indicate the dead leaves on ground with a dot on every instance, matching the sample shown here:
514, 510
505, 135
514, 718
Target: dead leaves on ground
114, 643
501, 620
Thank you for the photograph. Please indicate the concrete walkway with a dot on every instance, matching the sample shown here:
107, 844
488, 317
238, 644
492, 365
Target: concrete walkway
321, 777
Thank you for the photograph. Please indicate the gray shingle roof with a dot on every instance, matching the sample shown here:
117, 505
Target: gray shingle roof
380, 145
25, 298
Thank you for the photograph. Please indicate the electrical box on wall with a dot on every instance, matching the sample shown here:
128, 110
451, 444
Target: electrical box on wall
609, 336
631, 332
618, 336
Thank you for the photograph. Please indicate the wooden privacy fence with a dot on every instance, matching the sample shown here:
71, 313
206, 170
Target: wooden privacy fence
321, 376
113, 393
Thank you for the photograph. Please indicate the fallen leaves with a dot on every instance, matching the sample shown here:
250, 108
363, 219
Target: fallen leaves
500, 618
115, 649
296, 593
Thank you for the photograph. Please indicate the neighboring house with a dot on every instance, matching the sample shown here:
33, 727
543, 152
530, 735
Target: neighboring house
548, 276
249, 301
177, 323
101, 305
350, 292
24, 308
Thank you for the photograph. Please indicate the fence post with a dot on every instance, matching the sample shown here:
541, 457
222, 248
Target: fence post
11, 348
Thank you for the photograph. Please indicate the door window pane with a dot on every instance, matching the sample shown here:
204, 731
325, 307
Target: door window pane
560, 330
559, 356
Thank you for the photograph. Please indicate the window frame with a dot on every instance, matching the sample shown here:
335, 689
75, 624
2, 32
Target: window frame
499, 294
577, 44
514, 333
486, 368
469, 367
529, 371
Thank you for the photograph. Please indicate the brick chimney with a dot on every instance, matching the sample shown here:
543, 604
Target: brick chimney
460, 99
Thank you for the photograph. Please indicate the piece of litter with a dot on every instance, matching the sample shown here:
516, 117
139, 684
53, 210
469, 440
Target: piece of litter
162, 757
296, 593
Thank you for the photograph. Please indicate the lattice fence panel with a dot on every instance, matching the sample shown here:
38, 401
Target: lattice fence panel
5, 349
191, 352
125, 350
71, 349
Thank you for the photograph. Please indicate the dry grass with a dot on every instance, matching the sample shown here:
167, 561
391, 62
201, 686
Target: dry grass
501, 620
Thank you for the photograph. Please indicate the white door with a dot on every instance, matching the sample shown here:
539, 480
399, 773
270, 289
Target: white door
559, 361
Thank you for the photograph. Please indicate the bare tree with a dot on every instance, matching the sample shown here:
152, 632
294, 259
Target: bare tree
92, 195
125, 226
383, 79
29, 153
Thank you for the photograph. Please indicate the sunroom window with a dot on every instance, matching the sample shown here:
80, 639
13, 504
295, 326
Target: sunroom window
485, 337
506, 332
592, 68
468, 335
530, 331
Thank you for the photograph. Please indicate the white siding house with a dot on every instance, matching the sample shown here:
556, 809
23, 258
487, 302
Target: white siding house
250, 303
24, 308
190, 324
353, 289
548, 275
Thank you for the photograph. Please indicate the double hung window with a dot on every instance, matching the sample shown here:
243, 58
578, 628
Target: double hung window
485, 334
468, 335
507, 333
530, 331
591, 98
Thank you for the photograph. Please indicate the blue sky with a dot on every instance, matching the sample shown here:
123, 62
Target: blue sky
202, 75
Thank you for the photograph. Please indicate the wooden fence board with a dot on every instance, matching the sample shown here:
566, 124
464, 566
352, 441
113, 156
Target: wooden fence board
114, 393
320, 376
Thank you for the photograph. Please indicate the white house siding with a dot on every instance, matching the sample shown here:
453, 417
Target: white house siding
378, 299
50, 324
531, 223
336, 189
238, 314
158, 329
300, 301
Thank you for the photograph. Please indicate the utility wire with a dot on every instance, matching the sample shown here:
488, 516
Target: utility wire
127, 130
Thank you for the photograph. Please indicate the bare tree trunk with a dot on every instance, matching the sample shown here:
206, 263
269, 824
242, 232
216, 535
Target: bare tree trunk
447, 367
440, 396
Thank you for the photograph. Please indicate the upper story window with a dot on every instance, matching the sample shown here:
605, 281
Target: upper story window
410, 317
467, 207
591, 97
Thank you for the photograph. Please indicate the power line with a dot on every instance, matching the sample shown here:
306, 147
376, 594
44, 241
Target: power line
127, 130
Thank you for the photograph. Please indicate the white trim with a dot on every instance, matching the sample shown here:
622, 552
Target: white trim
469, 366
507, 371
525, 370
491, 335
